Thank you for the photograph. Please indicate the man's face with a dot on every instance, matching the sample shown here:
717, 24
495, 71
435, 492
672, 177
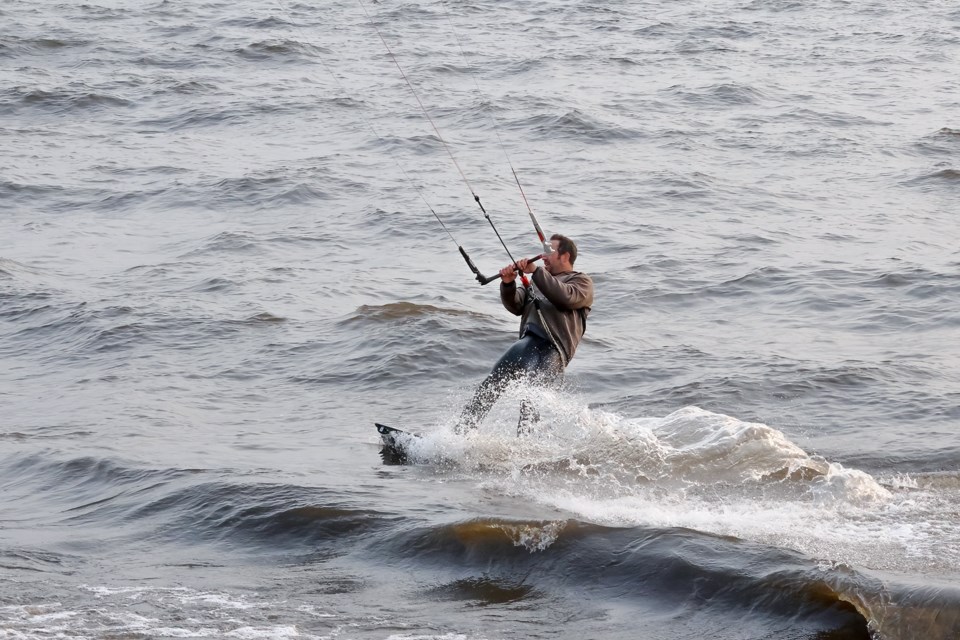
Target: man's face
553, 263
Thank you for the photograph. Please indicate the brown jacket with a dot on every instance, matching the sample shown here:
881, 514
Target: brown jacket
565, 302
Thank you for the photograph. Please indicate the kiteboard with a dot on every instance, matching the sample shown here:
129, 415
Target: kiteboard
394, 442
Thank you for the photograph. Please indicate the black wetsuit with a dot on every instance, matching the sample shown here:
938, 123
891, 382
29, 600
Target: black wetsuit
532, 357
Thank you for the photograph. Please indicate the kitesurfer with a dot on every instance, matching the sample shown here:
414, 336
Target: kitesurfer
553, 318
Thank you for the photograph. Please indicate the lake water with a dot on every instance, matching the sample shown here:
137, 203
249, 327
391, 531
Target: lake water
220, 265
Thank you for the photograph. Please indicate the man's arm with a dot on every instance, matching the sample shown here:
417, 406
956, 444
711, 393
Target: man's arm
512, 297
576, 292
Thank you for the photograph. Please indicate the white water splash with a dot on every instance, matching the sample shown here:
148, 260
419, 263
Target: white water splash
703, 471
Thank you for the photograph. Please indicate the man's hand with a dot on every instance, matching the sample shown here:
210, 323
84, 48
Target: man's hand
527, 266
509, 273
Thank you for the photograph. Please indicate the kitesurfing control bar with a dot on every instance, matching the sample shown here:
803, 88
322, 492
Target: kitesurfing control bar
483, 279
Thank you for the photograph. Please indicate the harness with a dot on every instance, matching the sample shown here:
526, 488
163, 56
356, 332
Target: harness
582, 312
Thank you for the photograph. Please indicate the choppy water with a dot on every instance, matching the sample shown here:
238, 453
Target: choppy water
218, 268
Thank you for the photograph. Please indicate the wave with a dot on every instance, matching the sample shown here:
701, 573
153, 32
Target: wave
285, 50
61, 100
82, 198
75, 328
206, 116
942, 143
273, 190
252, 22
30, 560
12, 269
57, 330
574, 124
172, 505
486, 561
829, 291
821, 118
727, 94
401, 310
14, 46
403, 344
944, 176
242, 241
520, 560
281, 517
397, 146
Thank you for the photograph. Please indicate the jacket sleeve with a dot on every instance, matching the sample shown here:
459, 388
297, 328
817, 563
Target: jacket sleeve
575, 292
512, 297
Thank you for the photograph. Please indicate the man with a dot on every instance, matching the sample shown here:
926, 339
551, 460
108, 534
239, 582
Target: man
553, 317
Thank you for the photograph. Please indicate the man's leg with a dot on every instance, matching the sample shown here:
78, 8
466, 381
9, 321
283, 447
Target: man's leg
548, 371
511, 364
529, 417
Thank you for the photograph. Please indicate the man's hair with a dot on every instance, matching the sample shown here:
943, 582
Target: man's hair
565, 245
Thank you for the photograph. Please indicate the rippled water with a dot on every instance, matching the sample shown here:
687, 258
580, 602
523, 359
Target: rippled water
219, 266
